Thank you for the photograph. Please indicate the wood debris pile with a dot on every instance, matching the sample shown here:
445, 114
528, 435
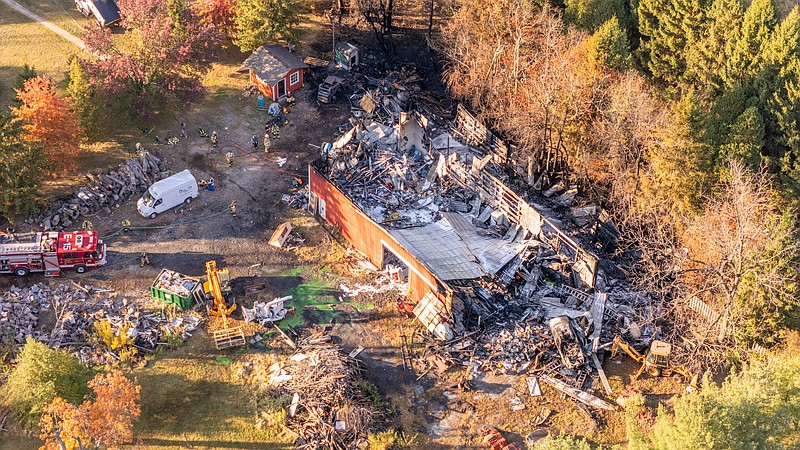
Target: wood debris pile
331, 411
19, 313
103, 192
76, 311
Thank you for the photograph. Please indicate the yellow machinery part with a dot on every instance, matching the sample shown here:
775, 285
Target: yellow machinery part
213, 286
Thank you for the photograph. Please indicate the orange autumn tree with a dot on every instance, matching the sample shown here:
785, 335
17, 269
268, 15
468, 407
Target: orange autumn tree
50, 119
106, 421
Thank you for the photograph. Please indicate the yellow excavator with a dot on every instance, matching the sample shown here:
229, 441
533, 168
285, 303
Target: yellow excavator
218, 288
656, 362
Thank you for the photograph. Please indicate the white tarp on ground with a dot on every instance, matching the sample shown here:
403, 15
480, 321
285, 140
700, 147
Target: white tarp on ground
376, 132
491, 252
446, 141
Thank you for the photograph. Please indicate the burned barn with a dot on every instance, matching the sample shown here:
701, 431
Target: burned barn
493, 272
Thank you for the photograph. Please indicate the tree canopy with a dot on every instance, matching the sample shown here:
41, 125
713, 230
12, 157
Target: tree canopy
170, 49
106, 421
23, 164
758, 407
42, 374
49, 119
260, 21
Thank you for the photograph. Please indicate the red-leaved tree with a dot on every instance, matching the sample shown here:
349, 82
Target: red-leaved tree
219, 12
163, 62
49, 119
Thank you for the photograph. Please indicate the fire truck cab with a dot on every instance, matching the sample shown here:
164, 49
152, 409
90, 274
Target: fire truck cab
51, 251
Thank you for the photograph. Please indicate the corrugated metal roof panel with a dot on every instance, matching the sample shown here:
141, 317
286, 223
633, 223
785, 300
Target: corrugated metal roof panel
440, 247
492, 253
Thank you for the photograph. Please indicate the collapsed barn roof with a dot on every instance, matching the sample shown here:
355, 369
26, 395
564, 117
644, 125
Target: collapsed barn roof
433, 195
504, 278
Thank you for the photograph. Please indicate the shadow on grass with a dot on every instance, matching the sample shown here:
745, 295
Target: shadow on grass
190, 401
179, 443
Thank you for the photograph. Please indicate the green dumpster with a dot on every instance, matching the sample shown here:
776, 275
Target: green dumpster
176, 289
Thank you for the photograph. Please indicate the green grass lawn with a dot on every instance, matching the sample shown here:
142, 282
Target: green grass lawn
190, 400
25, 42
61, 12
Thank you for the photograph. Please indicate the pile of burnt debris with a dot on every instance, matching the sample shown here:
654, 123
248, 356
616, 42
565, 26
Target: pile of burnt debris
328, 404
530, 296
85, 320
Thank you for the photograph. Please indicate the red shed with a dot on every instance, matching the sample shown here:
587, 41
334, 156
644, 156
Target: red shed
275, 71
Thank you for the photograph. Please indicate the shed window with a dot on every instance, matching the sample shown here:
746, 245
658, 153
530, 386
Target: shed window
294, 78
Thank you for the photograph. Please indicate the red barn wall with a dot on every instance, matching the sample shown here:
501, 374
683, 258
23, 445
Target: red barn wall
370, 238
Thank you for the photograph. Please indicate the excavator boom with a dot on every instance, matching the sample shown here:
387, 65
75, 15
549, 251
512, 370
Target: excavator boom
627, 348
226, 337
214, 287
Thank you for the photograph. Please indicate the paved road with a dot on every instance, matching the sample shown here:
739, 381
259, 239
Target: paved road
55, 29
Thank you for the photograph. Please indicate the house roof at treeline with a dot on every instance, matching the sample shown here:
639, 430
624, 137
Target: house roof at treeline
271, 63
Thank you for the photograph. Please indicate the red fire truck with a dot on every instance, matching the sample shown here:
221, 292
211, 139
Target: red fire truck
51, 251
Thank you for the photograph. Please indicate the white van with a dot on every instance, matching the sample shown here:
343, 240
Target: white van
168, 193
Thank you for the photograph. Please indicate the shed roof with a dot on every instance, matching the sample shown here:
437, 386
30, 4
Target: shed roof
271, 63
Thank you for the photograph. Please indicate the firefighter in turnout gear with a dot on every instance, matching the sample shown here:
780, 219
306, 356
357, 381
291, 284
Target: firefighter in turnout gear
143, 260
233, 208
214, 139
276, 131
229, 157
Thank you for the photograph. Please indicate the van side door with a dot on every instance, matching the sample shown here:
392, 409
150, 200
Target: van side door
158, 205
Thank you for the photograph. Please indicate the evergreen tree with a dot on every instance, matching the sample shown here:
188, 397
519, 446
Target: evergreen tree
785, 106
756, 408
42, 374
589, 15
26, 74
610, 47
260, 21
746, 138
784, 43
705, 64
679, 164
725, 110
746, 51
667, 27
776, 88
88, 102
23, 164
